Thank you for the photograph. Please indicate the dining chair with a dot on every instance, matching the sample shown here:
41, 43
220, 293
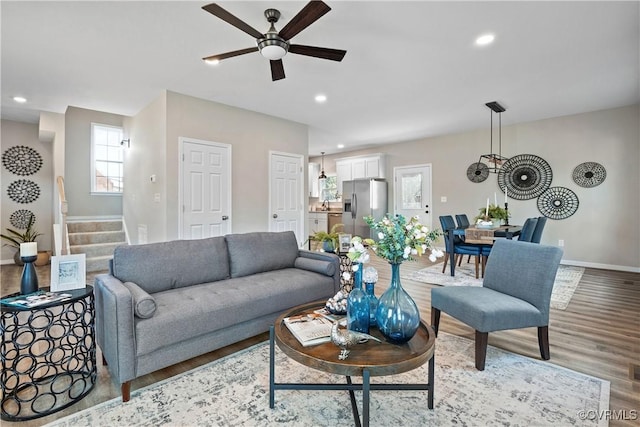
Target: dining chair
515, 294
527, 230
459, 247
462, 220
537, 232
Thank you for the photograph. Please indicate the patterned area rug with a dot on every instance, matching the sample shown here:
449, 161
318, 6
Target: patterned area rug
513, 390
567, 280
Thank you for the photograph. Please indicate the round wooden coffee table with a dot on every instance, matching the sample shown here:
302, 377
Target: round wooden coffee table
365, 360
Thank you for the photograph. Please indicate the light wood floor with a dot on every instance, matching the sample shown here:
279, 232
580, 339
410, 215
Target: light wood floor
598, 334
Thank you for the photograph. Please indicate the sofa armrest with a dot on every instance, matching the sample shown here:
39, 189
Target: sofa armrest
115, 327
325, 256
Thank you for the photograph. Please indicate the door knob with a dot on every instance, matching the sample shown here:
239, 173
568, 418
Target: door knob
275, 215
225, 217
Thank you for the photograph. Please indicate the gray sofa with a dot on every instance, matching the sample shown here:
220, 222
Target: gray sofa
164, 303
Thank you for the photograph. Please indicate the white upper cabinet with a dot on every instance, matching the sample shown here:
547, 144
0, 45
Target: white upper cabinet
314, 173
371, 166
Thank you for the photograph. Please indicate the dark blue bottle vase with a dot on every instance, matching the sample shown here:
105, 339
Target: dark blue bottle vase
358, 305
397, 316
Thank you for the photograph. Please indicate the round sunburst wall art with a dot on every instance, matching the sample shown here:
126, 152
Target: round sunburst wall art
23, 191
22, 160
526, 176
477, 172
589, 174
20, 218
558, 203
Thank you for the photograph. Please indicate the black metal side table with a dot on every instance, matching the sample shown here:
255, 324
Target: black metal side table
48, 355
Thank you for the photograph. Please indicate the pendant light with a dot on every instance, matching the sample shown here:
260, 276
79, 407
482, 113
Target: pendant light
492, 160
322, 175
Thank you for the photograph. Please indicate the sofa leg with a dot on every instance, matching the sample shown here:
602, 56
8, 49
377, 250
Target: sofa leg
482, 338
435, 319
543, 342
104, 361
126, 391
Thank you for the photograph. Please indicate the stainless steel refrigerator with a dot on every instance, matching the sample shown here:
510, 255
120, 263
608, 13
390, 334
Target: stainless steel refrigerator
360, 198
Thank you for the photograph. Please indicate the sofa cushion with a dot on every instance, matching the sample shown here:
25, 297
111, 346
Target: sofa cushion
144, 305
323, 267
158, 267
186, 313
252, 253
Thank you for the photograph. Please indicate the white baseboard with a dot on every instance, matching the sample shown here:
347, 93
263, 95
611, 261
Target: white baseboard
94, 218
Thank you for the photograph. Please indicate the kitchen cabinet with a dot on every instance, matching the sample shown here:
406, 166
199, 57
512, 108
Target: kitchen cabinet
318, 221
314, 185
371, 166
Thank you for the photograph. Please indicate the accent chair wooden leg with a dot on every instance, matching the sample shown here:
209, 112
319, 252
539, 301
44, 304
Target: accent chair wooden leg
435, 319
543, 341
482, 338
104, 361
126, 391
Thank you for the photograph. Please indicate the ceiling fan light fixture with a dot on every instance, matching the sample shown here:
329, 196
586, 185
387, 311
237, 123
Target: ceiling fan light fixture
273, 52
272, 46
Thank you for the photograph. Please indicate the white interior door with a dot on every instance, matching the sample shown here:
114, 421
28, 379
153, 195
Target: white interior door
286, 182
205, 189
412, 192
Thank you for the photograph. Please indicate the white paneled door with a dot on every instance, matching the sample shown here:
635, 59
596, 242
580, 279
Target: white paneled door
205, 189
286, 194
412, 192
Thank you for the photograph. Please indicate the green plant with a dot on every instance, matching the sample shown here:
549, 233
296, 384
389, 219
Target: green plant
15, 238
331, 236
494, 212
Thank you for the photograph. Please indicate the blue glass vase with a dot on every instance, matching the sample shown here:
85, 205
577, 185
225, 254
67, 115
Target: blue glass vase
358, 304
373, 302
397, 316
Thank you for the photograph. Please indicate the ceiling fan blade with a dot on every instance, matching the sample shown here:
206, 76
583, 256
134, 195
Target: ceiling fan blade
277, 70
216, 10
318, 52
222, 56
307, 16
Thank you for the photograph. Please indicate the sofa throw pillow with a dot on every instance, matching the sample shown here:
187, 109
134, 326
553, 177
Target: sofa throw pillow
144, 305
257, 252
318, 266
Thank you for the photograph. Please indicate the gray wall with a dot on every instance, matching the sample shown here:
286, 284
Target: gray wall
17, 133
155, 132
605, 230
77, 176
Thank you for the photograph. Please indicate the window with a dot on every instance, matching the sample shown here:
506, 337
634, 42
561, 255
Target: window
329, 190
107, 159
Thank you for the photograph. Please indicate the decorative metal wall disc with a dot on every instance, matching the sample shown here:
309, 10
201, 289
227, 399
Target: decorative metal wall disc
23, 191
589, 174
526, 176
558, 203
20, 218
477, 172
22, 160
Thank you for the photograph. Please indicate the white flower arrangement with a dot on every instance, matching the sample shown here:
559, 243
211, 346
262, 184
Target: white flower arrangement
358, 253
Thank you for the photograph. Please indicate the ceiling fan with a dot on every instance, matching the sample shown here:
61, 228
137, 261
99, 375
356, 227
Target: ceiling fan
274, 45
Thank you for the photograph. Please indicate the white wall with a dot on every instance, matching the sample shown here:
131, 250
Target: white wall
605, 230
13, 134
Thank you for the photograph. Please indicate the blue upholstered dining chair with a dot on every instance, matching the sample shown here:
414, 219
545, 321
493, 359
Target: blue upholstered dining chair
462, 220
527, 230
454, 241
537, 232
516, 293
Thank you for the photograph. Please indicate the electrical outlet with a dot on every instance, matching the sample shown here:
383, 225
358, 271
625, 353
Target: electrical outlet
443, 199
561, 242
156, 197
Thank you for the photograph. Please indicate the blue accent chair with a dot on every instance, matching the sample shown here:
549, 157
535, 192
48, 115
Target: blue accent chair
455, 246
516, 293
537, 232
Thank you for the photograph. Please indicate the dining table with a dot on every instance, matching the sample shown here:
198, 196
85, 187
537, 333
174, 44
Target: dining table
480, 236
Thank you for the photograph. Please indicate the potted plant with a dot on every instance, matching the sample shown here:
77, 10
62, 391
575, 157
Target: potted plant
329, 240
495, 212
15, 238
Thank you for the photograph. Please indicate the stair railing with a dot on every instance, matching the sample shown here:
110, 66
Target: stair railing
63, 209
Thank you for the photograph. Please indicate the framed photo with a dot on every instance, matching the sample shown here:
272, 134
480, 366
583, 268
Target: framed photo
68, 272
344, 241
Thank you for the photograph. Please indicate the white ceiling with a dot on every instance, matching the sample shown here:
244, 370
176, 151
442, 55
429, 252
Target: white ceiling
411, 69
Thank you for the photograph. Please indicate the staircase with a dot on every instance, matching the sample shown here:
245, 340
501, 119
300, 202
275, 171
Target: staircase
97, 240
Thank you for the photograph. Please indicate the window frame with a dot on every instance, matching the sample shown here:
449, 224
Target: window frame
94, 189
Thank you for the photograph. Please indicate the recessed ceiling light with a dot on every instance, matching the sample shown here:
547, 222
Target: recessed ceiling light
485, 39
321, 98
212, 61
340, 145
20, 99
